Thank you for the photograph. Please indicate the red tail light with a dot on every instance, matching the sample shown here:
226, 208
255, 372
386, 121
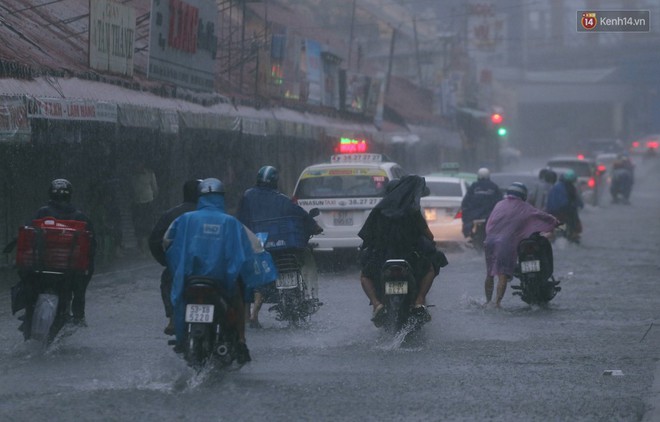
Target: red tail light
601, 168
591, 183
580, 157
635, 144
653, 144
459, 214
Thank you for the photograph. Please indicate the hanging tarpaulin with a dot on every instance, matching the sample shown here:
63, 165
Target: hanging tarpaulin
14, 124
210, 121
131, 115
169, 121
71, 109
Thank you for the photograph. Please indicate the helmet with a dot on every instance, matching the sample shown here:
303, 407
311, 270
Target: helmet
211, 185
268, 176
517, 189
190, 190
551, 177
60, 190
569, 176
483, 174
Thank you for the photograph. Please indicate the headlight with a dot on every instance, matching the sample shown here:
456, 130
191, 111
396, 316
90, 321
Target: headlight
430, 214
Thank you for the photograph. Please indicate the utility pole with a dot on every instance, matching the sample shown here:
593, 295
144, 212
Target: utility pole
350, 38
240, 87
419, 65
389, 65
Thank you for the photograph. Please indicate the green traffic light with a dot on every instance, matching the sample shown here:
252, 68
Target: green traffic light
501, 131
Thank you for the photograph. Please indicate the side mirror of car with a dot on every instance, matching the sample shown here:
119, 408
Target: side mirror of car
314, 212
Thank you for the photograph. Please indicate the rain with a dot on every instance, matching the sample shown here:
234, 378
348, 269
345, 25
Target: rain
441, 89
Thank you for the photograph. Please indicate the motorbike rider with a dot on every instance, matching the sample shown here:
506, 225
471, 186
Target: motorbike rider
564, 201
265, 202
479, 200
211, 243
395, 228
512, 220
539, 195
156, 245
59, 207
622, 179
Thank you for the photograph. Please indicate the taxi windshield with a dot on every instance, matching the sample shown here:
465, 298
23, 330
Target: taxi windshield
341, 186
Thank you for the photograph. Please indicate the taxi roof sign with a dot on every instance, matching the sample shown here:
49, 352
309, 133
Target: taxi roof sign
356, 158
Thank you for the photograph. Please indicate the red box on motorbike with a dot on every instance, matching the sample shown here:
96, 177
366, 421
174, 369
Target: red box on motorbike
283, 232
54, 245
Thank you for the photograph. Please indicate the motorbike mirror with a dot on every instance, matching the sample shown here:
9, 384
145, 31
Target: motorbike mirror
314, 212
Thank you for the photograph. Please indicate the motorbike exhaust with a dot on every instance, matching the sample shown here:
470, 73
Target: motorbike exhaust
222, 350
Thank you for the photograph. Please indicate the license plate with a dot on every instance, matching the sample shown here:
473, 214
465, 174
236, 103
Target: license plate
287, 281
199, 313
343, 218
396, 287
530, 266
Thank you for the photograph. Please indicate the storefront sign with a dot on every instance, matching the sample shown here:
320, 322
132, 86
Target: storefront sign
71, 109
14, 124
111, 36
183, 43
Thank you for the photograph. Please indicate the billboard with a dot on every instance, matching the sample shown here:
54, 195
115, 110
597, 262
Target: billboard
111, 37
183, 43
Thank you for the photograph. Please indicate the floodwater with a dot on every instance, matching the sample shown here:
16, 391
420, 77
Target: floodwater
519, 363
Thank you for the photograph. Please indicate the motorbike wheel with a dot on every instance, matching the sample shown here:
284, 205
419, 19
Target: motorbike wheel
198, 348
43, 317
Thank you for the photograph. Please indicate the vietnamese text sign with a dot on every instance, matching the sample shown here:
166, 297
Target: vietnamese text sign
70, 109
14, 123
183, 43
111, 36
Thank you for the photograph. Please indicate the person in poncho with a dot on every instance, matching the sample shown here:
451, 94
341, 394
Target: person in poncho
512, 220
396, 228
211, 243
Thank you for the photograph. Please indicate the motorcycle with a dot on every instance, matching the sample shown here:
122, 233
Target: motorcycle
50, 255
534, 270
478, 234
397, 289
211, 324
291, 251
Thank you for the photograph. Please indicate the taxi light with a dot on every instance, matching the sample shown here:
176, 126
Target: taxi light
351, 146
459, 214
591, 183
580, 157
430, 214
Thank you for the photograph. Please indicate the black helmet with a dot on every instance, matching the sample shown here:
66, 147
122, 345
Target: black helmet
211, 185
60, 190
268, 176
190, 192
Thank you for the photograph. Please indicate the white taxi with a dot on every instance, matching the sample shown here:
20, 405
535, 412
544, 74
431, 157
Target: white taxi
345, 190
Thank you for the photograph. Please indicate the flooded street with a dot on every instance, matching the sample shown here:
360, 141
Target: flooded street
519, 363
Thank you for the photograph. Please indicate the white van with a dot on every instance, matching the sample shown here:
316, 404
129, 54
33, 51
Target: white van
345, 190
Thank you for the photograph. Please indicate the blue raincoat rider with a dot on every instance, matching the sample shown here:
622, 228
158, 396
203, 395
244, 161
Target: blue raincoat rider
211, 243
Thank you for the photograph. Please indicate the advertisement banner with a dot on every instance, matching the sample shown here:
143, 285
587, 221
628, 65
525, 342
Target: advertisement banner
357, 89
183, 43
111, 36
71, 109
314, 71
14, 124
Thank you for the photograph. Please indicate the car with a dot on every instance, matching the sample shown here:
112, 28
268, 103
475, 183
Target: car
442, 208
590, 148
586, 170
453, 169
647, 145
509, 155
345, 190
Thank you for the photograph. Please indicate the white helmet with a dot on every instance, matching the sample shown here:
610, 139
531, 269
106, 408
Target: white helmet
483, 173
